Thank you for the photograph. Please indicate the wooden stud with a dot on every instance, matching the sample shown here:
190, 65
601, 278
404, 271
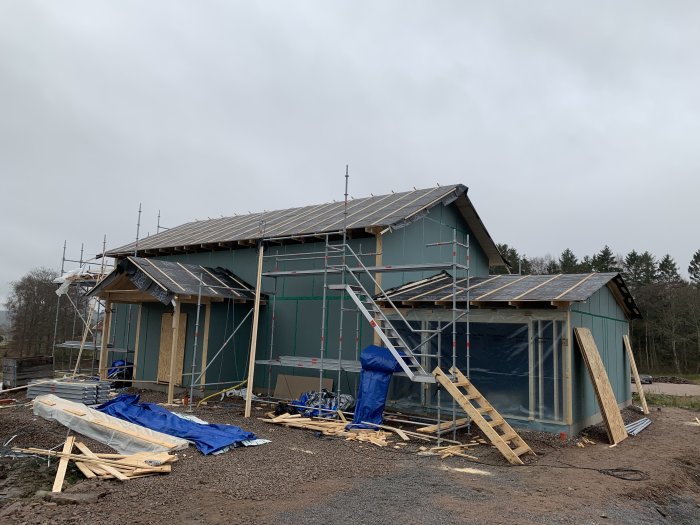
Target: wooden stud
254, 335
501, 288
136, 342
568, 379
205, 342
555, 366
106, 325
107, 468
63, 465
173, 354
574, 286
635, 374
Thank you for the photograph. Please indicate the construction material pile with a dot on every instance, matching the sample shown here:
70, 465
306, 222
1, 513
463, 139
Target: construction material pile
79, 391
104, 466
124, 437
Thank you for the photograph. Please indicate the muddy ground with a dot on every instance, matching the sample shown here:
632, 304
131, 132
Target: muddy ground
302, 478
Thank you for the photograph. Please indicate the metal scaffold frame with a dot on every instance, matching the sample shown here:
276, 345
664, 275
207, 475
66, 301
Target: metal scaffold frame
340, 260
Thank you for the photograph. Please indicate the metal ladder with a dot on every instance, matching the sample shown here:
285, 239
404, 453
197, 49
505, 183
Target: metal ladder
401, 351
499, 432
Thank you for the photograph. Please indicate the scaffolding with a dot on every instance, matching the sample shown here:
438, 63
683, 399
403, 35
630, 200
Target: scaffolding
87, 315
355, 275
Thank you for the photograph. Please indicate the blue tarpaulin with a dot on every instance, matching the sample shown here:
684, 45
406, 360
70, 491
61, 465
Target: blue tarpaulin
378, 365
207, 438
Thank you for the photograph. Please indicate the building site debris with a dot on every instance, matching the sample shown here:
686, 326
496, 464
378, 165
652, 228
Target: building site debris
636, 427
208, 438
104, 466
444, 427
124, 437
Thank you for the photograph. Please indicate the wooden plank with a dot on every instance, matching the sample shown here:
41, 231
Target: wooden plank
107, 468
574, 286
568, 381
63, 465
601, 384
137, 340
166, 346
205, 343
254, 335
635, 374
447, 425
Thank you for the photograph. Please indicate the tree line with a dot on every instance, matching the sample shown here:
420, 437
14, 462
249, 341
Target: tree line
667, 339
36, 314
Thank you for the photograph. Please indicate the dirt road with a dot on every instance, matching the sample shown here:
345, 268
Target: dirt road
300, 478
670, 389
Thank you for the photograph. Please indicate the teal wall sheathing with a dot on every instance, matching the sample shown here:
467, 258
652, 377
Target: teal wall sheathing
298, 302
606, 321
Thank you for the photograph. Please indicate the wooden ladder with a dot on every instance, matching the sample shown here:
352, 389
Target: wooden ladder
499, 432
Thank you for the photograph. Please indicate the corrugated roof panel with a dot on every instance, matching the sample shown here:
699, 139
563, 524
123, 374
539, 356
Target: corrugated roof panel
375, 211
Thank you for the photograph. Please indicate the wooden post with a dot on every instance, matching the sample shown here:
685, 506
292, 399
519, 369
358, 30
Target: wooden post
531, 369
378, 275
205, 343
635, 374
136, 342
555, 365
173, 351
106, 326
568, 388
254, 335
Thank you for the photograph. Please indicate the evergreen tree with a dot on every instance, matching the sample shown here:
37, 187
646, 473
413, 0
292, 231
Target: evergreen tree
648, 268
694, 268
586, 265
631, 268
568, 263
604, 261
668, 271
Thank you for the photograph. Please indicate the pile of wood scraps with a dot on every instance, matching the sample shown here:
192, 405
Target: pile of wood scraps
104, 466
584, 441
454, 450
325, 426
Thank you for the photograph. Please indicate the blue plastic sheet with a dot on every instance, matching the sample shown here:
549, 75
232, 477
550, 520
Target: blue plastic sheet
207, 438
378, 365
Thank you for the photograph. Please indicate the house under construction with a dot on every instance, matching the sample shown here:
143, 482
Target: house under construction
408, 271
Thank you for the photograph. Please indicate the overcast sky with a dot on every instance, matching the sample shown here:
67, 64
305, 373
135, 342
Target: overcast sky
574, 124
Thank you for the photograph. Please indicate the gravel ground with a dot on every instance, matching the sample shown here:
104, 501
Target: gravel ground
301, 478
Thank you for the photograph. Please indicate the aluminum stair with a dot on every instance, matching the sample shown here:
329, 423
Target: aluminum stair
499, 432
386, 332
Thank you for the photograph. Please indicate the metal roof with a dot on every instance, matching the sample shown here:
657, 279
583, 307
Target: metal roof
163, 280
392, 211
518, 290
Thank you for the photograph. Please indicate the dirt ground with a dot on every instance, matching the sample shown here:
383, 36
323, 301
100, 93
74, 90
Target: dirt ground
303, 478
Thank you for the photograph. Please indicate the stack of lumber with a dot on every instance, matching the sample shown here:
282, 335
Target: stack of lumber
104, 466
330, 428
325, 426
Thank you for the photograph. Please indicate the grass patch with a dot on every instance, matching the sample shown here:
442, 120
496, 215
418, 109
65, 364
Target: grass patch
664, 400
